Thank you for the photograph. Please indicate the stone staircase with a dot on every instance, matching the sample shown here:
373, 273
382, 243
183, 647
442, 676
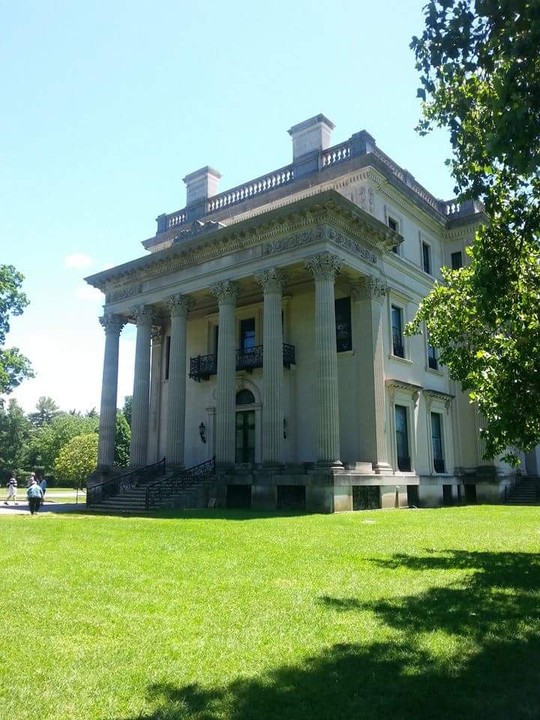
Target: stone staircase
153, 488
525, 491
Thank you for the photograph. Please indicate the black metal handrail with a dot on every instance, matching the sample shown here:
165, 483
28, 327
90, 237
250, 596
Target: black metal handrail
165, 488
123, 483
202, 366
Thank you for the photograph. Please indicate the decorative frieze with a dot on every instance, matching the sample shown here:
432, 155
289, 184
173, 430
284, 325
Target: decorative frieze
438, 396
319, 234
122, 293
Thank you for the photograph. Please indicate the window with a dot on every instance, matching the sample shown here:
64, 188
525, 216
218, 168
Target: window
426, 258
397, 331
167, 356
456, 260
433, 361
393, 225
343, 324
247, 334
437, 442
402, 438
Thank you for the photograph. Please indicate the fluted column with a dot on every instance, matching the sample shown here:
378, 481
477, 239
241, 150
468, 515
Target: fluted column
226, 293
369, 295
141, 386
112, 324
156, 365
272, 410
324, 268
179, 306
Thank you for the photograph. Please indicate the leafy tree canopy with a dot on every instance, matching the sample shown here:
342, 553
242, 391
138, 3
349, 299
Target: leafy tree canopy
123, 440
14, 367
15, 429
480, 75
46, 410
77, 459
52, 437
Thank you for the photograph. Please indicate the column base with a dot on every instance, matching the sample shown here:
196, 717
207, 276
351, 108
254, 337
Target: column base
329, 465
383, 468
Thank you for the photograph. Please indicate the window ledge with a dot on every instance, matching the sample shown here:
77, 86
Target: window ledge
400, 359
433, 371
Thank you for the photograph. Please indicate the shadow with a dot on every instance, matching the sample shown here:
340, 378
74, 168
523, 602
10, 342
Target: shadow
485, 662
205, 514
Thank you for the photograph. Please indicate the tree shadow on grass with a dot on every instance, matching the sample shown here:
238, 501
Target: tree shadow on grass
495, 608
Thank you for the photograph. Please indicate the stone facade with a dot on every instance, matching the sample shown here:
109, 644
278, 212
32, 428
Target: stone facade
270, 324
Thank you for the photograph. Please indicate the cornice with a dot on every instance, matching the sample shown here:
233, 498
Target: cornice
328, 208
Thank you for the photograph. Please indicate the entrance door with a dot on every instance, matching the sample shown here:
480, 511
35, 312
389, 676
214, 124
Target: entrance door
245, 436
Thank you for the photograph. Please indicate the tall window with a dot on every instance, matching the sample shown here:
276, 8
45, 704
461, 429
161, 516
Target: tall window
433, 361
457, 260
393, 225
402, 439
343, 324
247, 334
397, 332
437, 442
426, 258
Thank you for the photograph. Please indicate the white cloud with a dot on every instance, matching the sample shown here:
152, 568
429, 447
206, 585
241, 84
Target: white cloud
78, 260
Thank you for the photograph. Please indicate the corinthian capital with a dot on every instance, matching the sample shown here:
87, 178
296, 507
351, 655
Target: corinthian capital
324, 266
371, 288
270, 280
112, 324
180, 305
142, 314
226, 292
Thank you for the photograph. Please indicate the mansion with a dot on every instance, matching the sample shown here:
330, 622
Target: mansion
270, 334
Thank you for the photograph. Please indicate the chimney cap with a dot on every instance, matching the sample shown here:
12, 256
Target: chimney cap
319, 119
202, 172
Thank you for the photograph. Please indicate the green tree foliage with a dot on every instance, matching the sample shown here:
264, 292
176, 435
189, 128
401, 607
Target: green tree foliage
480, 75
76, 460
14, 367
15, 432
123, 439
128, 404
49, 440
46, 410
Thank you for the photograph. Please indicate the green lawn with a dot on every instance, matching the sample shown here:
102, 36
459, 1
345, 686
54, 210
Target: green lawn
386, 615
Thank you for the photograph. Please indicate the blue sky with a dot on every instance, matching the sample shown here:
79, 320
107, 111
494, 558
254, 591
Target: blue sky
106, 106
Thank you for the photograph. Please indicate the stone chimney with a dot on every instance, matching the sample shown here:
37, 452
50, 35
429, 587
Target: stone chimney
201, 185
309, 139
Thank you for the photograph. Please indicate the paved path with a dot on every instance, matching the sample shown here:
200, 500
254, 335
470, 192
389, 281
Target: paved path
48, 507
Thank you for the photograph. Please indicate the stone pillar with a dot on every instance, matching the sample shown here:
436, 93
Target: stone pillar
112, 324
324, 268
226, 293
156, 370
369, 295
272, 410
141, 387
179, 306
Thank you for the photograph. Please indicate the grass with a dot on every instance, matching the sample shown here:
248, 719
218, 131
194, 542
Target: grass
219, 614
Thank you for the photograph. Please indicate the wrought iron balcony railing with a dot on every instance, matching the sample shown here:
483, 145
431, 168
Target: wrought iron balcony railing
202, 366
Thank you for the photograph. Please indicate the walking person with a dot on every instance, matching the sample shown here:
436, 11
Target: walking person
11, 490
43, 485
35, 496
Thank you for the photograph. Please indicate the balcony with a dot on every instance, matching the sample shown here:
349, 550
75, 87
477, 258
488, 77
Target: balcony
202, 366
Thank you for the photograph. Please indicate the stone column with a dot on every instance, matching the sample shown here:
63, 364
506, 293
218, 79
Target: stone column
226, 293
179, 306
141, 387
112, 324
156, 369
272, 409
324, 268
369, 295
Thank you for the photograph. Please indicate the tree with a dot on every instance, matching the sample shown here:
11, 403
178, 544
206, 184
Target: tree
128, 405
15, 431
480, 75
77, 459
49, 440
14, 367
46, 410
123, 439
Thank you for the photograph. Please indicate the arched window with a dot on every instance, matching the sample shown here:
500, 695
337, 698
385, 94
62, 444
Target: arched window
245, 397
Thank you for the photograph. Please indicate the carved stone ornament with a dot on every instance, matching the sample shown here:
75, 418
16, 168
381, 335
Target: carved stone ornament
226, 292
324, 266
371, 288
122, 293
112, 324
157, 334
271, 280
180, 305
291, 242
436, 395
142, 314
